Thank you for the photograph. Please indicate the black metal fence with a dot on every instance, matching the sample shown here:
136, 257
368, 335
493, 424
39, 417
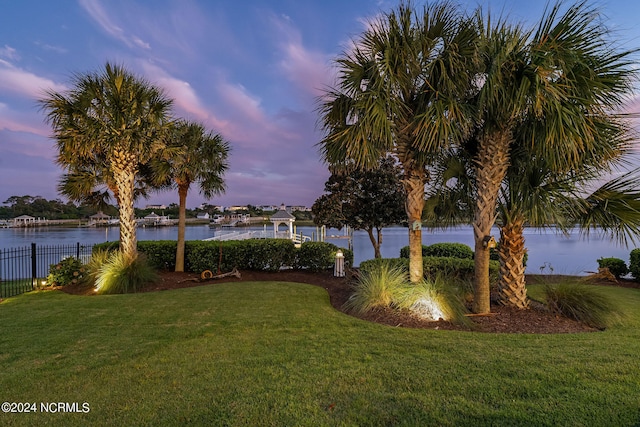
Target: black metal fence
24, 269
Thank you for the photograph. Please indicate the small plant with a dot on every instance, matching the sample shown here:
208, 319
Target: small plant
68, 271
121, 275
376, 288
581, 302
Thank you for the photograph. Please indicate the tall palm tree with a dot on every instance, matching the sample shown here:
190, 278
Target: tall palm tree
113, 119
550, 89
92, 183
193, 156
398, 93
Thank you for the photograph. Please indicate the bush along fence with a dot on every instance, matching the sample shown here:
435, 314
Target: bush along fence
250, 254
24, 269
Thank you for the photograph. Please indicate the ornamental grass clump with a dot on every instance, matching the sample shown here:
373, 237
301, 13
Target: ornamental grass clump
377, 288
433, 299
581, 302
119, 274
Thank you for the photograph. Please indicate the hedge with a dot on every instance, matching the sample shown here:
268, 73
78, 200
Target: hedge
446, 249
251, 254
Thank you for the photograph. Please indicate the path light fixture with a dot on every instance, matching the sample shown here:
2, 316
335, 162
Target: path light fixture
338, 269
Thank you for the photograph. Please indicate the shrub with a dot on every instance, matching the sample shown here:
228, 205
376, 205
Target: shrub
251, 254
377, 287
404, 251
68, 271
634, 263
161, 254
318, 256
616, 266
121, 275
268, 254
580, 302
451, 250
445, 249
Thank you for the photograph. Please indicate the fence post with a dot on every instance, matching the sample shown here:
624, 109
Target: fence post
78, 251
34, 265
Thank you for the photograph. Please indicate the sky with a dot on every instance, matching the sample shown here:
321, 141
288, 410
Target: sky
250, 70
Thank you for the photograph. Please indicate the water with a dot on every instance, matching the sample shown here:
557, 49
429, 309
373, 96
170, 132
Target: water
566, 255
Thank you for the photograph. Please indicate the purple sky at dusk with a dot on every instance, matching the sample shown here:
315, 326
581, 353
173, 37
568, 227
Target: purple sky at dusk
250, 70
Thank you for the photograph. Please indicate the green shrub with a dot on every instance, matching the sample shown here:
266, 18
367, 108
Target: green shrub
581, 302
452, 250
616, 266
445, 249
634, 263
268, 254
318, 256
161, 254
377, 287
251, 254
120, 275
404, 251
211, 255
376, 263
68, 271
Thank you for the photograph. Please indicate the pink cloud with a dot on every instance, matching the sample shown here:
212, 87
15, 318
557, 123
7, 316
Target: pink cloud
25, 83
101, 17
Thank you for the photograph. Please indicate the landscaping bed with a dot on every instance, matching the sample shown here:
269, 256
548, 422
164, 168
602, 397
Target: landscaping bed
535, 320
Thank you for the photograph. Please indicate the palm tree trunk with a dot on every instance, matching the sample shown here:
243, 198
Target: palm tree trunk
182, 223
414, 185
512, 289
125, 174
491, 167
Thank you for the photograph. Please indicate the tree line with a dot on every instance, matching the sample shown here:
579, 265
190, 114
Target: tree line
39, 207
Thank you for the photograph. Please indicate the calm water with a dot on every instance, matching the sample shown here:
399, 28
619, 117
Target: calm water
567, 255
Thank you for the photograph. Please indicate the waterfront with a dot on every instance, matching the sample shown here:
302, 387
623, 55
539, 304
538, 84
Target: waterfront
565, 254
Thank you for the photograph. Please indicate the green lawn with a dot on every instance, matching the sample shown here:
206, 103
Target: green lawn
278, 354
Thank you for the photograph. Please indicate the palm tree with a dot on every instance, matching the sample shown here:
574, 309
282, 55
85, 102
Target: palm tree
398, 93
116, 121
535, 194
193, 156
93, 184
549, 89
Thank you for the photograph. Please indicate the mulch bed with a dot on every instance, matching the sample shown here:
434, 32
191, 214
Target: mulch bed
535, 320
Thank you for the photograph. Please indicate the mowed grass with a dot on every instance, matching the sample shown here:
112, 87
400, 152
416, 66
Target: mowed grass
278, 354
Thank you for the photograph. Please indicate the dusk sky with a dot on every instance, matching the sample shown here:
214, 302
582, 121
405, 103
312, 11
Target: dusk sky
250, 70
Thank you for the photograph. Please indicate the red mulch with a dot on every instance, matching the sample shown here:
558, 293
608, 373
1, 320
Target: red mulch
535, 320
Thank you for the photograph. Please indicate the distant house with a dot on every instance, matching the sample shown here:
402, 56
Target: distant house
23, 221
159, 207
203, 215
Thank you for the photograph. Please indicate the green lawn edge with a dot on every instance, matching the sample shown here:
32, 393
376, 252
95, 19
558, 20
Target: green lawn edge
272, 353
